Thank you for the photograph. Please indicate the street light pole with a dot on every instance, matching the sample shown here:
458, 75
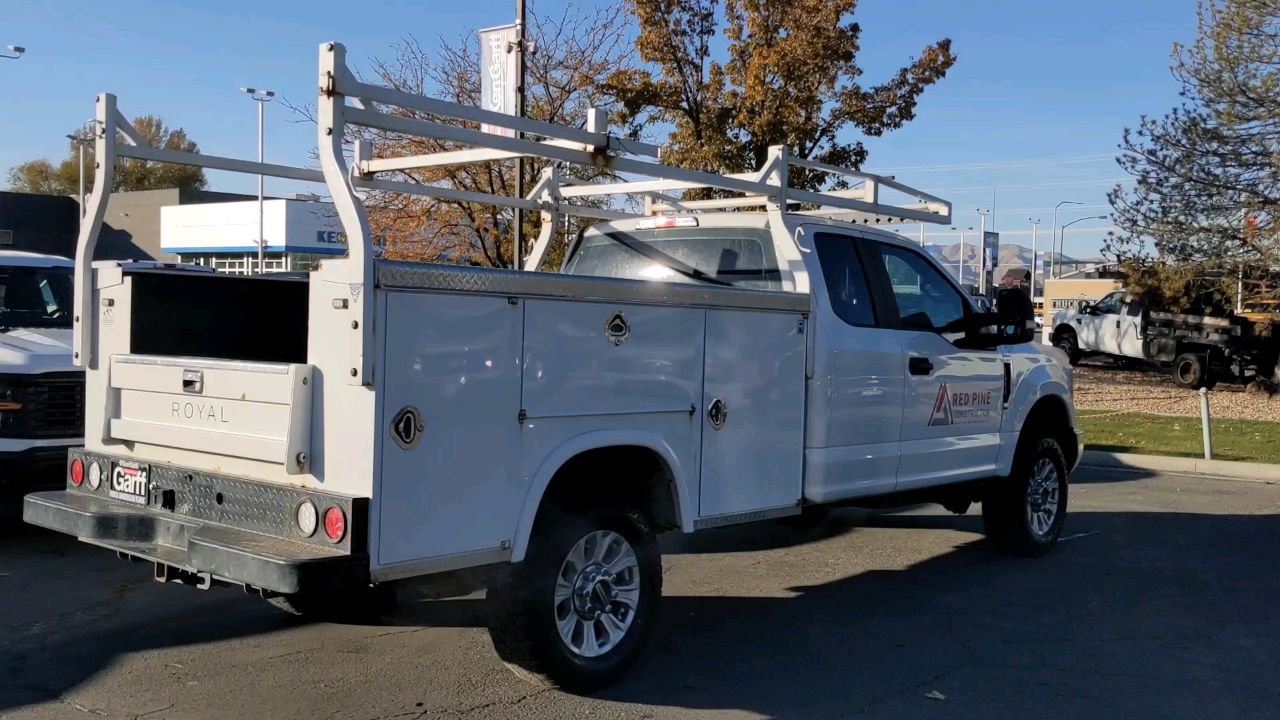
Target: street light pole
262, 97
517, 253
1035, 225
79, 140
16, 50
982, 252
1063, 247
1053, 240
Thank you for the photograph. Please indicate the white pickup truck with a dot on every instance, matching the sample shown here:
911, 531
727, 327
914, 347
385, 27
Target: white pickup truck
441, 429
41, 391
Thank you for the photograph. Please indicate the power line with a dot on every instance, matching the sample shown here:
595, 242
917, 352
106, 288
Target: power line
991, 165
1072, 183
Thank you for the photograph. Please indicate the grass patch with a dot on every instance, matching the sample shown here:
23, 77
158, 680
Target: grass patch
1243, 440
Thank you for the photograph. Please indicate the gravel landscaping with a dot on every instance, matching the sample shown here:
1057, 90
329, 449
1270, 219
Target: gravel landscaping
1100, 386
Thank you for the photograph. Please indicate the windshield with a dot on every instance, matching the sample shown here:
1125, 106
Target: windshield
741, 257
35, 297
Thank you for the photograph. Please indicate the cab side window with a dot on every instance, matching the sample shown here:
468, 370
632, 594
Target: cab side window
846, 281
1109, 305
926, 301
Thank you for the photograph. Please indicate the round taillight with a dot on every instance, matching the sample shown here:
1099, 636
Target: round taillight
335, 523
95, 475
77, 471
307, 518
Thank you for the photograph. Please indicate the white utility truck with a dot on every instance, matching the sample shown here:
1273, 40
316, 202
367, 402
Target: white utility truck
442, 429
1198, 350
41, 391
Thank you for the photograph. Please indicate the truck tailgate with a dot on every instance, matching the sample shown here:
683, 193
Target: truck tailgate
254, 410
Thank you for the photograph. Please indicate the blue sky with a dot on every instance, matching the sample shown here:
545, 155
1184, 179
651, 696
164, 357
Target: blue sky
1034, 108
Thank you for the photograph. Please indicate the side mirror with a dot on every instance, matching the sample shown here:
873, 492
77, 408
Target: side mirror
1017, 316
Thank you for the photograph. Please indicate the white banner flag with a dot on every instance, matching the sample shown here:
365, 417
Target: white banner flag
498, 74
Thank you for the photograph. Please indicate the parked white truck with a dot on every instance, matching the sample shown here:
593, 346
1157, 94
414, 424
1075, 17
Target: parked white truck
441, 429
1198, 350
41, 391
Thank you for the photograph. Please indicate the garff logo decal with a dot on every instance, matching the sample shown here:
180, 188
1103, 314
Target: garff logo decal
961, 407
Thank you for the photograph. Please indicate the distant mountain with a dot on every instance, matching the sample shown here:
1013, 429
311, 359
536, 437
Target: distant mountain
1011, 257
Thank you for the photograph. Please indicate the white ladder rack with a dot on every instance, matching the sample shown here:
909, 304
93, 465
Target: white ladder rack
552, 196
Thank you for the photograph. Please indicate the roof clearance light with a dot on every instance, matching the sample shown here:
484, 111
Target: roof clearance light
683, 221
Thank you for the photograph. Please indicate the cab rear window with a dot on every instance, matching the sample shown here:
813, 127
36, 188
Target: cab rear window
741, 257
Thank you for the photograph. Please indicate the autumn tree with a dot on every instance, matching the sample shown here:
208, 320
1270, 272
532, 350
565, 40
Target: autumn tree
573, 51
1202, 211
788, 76
43, 177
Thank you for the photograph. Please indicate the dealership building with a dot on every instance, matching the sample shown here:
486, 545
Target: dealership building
224, 236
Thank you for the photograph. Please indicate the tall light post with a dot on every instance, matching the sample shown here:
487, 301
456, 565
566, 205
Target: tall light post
1063, 245
16, 50
1053, 241
960, 270
81, 139
982, 252
517, 244
262, 97
1035, 225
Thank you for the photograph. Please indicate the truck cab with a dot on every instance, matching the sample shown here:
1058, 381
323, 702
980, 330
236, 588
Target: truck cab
41, 390
1111, 325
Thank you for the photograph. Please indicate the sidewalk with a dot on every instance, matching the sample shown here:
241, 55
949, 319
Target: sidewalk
1248, 472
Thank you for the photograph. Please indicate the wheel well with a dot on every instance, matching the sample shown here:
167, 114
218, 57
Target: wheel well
1049, 416
634, 475
1062, 329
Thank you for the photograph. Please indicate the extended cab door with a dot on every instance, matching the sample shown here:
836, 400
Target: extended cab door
1130, 342
952, 405
855, 395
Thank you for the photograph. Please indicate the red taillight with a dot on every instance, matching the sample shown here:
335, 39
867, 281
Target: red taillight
335, 523
77, 472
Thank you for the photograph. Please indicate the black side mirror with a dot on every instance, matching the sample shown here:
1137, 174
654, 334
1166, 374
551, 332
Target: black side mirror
1017, 316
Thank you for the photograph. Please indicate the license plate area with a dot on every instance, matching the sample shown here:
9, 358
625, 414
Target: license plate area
130, 482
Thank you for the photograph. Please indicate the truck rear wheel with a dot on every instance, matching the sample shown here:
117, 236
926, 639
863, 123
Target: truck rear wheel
1023, 514
579, 610
1191, 371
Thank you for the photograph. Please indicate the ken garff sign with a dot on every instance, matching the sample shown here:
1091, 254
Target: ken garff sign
498, 74
331, 237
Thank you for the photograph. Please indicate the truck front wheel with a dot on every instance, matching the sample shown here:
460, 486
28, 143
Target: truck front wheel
1023, 513
1065, 340
579, 610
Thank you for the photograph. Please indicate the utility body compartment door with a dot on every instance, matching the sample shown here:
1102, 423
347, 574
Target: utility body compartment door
450, 437
254, 410
752, 412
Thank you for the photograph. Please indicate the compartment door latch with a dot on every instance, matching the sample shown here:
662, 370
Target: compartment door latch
193, 381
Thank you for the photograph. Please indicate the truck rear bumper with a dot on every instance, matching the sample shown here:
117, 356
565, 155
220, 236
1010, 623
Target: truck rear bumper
204, 551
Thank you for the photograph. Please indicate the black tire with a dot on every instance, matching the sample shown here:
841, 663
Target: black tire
1008, 504
1065, 340
362, 606
1191, 371
523, 612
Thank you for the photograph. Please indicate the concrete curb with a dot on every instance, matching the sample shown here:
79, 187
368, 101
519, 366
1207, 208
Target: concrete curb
1249, 472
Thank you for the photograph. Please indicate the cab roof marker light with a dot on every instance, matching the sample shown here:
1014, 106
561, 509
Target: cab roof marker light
683, 221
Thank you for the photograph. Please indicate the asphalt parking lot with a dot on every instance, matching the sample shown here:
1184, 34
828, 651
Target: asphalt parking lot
1162, 603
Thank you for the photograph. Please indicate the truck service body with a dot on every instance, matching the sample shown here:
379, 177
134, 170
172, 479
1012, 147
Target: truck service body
387, 424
